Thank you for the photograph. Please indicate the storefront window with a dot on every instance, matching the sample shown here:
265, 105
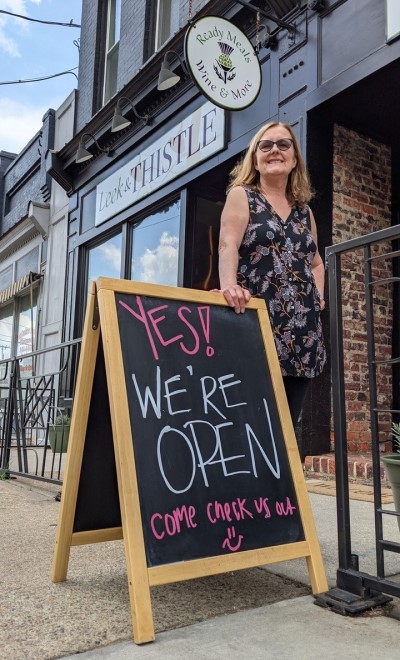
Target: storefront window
26, 330
155, 251
28, 263
6, 334
21, 314
6, 279
6, 331
105, 259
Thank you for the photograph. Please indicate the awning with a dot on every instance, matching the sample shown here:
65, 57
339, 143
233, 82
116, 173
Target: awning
22, 283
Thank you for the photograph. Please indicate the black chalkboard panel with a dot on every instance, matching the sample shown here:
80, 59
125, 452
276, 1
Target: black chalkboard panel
97, 505
211, 461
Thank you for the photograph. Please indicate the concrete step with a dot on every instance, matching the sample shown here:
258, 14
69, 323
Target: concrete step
359, 465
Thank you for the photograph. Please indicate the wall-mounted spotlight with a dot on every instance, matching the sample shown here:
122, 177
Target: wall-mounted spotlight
120, 122
266, 39
168, 78
82, 154
316, 5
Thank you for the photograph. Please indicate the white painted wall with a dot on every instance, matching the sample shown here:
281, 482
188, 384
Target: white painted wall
52, 299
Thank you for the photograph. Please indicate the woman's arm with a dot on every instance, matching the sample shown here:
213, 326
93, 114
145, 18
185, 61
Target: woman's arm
317, 266
234, 220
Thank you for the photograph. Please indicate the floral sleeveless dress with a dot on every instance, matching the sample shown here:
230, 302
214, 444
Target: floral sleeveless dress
275, 260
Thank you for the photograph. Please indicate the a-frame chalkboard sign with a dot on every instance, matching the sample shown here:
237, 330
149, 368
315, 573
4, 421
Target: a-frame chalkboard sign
181, 443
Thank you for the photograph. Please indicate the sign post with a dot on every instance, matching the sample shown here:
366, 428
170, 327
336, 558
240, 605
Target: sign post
181, 443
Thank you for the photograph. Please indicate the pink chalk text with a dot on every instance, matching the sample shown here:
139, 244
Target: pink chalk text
189, 338
183, 518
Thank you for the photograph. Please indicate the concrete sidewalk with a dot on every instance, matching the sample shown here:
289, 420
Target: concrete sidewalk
294, 629
89, 614
290, 630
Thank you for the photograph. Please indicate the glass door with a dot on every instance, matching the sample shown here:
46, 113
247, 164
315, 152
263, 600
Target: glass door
206, 201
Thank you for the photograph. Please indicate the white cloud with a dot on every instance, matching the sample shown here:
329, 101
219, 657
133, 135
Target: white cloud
7, 42
20, 26
19, 123
30, 51
112, 255
161, 264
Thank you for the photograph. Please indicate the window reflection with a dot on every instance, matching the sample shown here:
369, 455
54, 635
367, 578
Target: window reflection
6, 335
26, 331
155, 253
6, 331
105, 259
23, 312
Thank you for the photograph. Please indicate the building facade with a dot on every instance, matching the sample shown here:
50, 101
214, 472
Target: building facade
33, 248
145, 204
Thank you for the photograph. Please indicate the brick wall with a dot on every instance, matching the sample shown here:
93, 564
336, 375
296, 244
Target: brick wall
361, 205
89, 68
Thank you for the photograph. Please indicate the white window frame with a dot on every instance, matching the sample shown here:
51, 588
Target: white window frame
165, 11
392, 20
112, 47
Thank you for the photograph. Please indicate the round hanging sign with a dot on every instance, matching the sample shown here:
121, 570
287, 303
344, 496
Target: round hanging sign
222, 63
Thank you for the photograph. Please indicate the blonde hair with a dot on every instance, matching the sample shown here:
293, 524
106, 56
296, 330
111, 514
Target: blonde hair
298, 189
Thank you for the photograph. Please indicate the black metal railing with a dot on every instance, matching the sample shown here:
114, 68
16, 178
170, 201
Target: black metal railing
29, 406
380, 247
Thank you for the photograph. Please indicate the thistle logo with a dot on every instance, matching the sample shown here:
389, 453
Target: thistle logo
223, 63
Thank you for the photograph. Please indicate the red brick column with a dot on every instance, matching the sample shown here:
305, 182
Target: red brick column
361, 205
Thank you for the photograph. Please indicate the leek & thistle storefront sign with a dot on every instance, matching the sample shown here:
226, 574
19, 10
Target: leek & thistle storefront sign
196, 138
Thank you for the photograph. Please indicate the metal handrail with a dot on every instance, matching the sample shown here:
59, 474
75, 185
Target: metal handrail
349, 577
29, 410
388, 234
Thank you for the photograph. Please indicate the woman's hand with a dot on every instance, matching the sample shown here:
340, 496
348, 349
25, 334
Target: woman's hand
236, 296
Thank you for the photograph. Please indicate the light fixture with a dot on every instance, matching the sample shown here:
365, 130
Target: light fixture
168, 78
266, 39
119, 122
82, 154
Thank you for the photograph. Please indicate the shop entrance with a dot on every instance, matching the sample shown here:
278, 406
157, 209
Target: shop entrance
206, 199
354, 161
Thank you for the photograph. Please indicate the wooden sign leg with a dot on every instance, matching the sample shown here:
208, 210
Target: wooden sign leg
140, 601
314, 560
138, 579
80, 413
316, 572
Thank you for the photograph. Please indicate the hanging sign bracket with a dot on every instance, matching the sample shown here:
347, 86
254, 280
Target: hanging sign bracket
278, 21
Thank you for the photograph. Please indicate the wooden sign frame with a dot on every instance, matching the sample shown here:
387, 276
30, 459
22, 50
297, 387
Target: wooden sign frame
101, 323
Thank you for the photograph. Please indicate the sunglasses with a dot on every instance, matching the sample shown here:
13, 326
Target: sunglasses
283, 144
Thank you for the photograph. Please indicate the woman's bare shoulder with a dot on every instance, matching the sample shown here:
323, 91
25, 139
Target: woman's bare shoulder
237, 198
237, 191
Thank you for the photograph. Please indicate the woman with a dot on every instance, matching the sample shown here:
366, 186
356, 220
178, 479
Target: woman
268, 248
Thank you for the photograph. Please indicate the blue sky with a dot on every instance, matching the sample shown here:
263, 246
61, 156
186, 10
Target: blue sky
33, 50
